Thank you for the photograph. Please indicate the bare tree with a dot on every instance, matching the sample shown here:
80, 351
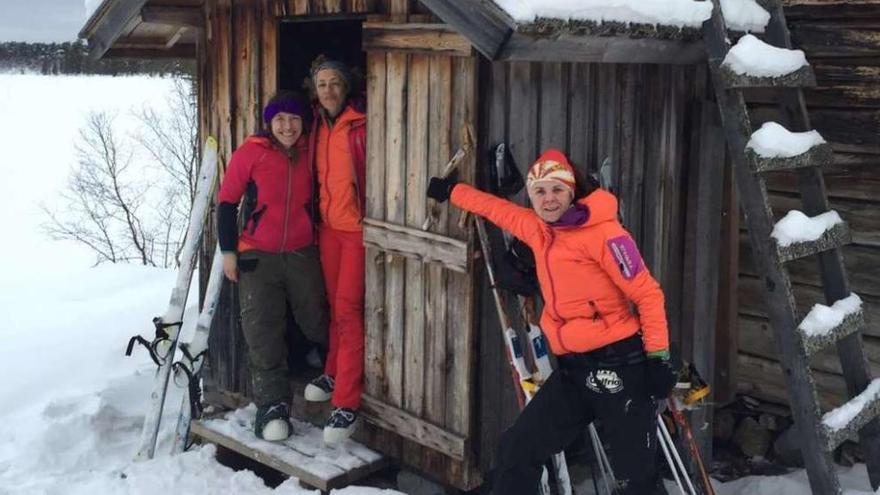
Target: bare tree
102, 205
171, 139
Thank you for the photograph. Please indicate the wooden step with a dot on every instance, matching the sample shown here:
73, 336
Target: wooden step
818, 156
303, 455
774, 148
801, 78
833, 237
752, 63
845, 421
813, 329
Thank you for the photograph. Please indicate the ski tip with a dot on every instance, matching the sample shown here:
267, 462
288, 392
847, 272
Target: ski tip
211, 142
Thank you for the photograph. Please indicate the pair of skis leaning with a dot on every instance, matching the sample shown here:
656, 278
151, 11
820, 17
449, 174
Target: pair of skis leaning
164, 346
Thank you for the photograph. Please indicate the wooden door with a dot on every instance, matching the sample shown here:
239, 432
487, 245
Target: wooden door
419, 288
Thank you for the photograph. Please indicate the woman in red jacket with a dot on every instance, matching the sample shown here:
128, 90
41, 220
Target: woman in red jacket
338, 147
275, 260
614, 362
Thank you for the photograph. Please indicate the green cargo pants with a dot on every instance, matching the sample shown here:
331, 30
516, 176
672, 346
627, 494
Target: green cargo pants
266, 282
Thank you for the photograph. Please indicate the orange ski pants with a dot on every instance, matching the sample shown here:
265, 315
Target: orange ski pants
342, 259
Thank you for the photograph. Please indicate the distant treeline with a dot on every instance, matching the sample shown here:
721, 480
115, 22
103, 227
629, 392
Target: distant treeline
72, 58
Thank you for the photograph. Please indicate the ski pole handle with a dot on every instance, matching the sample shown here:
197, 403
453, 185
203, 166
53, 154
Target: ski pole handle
433, 207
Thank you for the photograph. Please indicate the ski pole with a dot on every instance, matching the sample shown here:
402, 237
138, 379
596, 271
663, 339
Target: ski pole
668, 458
602, 458
680, 419
675, 454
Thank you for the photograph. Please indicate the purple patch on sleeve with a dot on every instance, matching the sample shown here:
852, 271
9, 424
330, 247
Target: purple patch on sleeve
627, 256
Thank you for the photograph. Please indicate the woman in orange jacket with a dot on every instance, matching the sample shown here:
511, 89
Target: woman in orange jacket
338, 154
614, 363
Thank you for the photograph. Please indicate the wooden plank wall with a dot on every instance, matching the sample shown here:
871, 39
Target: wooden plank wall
640, 116
841, 42
420, 330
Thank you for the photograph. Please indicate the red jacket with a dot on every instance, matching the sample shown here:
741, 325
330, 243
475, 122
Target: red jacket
281, 220
588, 273
338, 155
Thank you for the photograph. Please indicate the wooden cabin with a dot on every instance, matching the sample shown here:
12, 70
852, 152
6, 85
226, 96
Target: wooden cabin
438, 388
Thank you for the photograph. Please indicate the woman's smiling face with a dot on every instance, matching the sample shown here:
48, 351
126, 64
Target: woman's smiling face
549, 199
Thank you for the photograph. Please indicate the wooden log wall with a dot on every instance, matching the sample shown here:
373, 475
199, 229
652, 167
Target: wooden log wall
841, 41
420, 329
645, 119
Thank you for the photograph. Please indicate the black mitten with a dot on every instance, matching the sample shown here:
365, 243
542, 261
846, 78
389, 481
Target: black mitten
439, 189
660, 377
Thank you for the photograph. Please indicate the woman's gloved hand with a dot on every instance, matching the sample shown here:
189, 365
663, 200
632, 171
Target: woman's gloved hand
439, 189
660, 375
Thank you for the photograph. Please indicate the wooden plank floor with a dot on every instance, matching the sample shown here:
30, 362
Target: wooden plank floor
303, 455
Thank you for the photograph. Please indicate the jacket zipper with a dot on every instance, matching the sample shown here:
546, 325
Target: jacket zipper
553, 291
286, 207
327, 170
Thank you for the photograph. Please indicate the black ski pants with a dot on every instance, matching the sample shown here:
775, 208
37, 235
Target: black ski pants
583, 389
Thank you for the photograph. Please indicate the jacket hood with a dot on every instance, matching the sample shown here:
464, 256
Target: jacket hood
602, 206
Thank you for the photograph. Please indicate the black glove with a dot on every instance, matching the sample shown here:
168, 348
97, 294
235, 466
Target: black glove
439, 189
660, 377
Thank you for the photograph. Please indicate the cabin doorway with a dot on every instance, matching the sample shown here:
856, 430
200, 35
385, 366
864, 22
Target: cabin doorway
302, 40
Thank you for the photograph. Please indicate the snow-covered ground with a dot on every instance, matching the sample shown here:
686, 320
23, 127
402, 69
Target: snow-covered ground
71, 404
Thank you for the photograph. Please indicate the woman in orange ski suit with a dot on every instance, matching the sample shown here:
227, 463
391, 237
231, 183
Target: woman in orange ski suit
338, 149
614, 363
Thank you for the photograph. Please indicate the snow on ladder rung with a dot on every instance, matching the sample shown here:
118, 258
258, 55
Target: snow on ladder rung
752, 63
773, 147
824, 325
798, 236
845, 421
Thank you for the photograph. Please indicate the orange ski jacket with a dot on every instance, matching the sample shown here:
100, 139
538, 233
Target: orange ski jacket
339, 154
588, 273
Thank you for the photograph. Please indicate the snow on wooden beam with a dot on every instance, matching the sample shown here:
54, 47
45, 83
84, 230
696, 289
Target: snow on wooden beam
773, 147
303, 455
798, 236
845, 421
824, 325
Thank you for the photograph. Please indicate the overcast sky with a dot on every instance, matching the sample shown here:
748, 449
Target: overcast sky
41, 20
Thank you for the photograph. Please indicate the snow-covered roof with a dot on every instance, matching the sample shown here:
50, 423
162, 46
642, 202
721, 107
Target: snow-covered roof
743, 15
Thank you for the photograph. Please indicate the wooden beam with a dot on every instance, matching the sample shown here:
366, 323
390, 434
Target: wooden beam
110, 26
190, 17
412, 427
416, 244
187, 51
602, 49
480, 21
433, 39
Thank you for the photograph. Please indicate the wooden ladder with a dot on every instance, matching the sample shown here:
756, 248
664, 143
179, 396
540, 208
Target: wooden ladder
819, 435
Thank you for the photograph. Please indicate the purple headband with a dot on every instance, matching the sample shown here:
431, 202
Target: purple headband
287, 106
